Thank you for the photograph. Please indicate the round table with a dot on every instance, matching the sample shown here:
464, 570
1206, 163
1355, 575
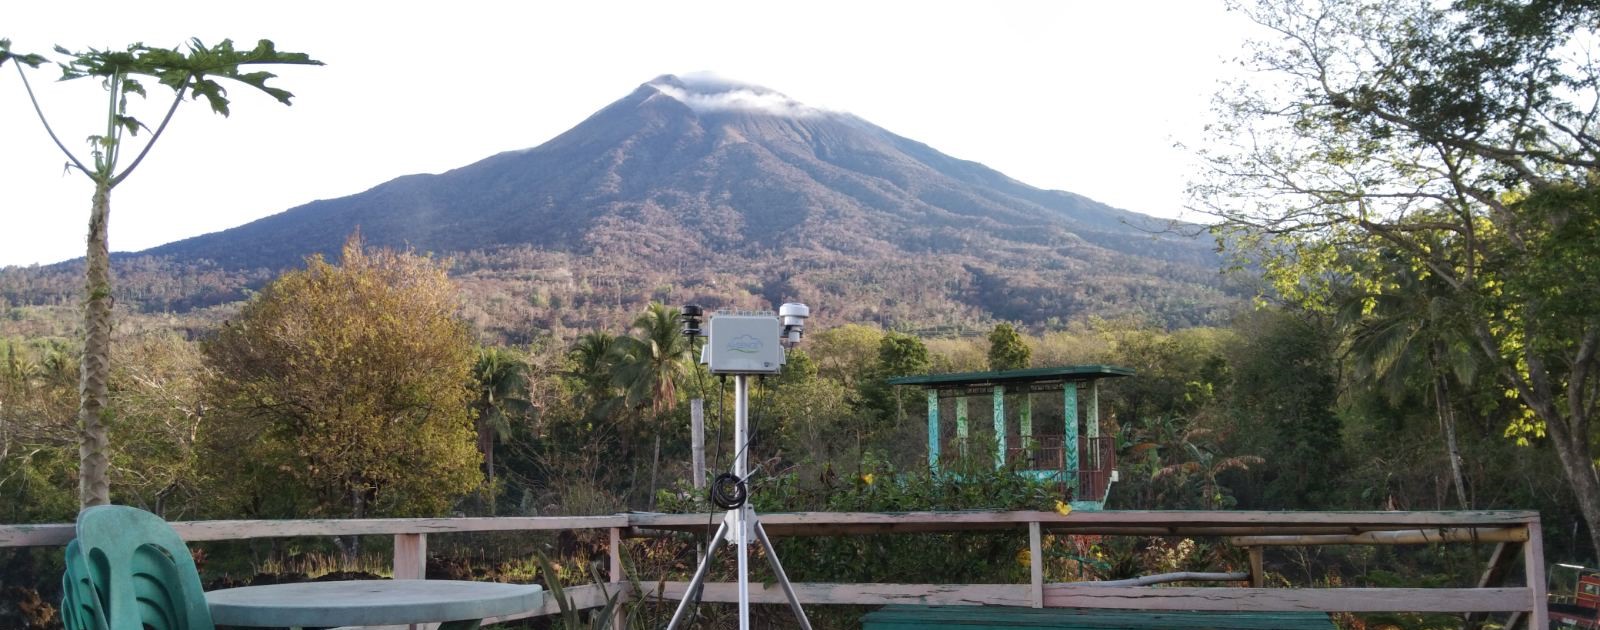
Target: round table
461, 605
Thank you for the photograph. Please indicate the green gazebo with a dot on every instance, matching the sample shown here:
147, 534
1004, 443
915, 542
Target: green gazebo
1082, 461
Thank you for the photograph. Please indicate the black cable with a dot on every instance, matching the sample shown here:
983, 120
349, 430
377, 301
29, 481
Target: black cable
728, 492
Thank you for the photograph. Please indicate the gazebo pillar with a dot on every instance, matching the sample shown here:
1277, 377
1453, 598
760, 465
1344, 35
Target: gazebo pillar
1069, 437
933, 430
1000, 426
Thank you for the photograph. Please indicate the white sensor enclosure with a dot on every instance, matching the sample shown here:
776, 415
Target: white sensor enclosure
743, 343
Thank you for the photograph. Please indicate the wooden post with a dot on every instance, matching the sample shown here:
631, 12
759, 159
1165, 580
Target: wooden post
615, 572
697, 432
1036, 564
410, 556
933, 430
1258, 576
1533, 563
1000, 426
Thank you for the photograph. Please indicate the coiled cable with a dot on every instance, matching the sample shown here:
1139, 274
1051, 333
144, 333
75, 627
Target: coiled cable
728, 491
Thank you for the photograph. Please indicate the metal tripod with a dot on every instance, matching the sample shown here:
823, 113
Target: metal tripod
738, 525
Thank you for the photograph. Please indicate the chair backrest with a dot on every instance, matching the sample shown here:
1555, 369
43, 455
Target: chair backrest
80, 606
141, 573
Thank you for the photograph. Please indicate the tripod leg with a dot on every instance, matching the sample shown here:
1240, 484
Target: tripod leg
783, 579
691, 594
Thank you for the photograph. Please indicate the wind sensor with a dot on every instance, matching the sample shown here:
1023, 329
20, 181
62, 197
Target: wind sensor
743, 344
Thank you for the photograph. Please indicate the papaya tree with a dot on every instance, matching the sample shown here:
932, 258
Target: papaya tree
196, 71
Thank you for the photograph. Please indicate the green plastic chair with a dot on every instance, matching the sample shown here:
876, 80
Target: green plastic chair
80, 606
136, 574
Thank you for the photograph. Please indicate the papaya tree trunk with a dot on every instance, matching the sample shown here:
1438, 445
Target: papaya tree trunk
94, 487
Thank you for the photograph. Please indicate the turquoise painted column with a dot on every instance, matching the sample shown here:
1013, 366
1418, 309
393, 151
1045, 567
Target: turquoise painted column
1000, 426
933, 430
1069, 408
961, 424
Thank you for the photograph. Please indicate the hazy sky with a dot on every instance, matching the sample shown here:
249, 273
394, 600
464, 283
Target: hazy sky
1080, 96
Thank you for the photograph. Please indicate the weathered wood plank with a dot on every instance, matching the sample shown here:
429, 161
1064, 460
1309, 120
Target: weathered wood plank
1533, 565
410, 556
1289, 599
1068, 595
1036, 565
1402, 537
51, 535
1158, 522
860, 594
835, 523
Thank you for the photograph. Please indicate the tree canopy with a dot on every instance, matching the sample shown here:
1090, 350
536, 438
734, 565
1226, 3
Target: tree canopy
344, 390
1389, 145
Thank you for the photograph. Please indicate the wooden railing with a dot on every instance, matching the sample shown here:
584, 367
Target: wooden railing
1515, 534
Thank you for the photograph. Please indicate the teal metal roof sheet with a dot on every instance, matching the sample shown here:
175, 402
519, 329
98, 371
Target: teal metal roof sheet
1030, 375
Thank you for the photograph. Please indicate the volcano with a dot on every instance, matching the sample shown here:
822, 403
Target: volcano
687, 178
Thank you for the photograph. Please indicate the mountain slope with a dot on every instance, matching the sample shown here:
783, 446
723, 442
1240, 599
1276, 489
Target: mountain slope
685, 181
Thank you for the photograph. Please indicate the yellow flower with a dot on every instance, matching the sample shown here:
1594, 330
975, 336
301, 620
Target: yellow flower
867, 478
1025, 558
1063, 508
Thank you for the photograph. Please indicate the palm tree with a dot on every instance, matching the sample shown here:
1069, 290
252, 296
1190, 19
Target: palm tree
648, 369
501, 379
1405, 332
591, 360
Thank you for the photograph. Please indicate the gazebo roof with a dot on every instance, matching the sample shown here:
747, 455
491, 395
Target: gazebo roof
1056, 374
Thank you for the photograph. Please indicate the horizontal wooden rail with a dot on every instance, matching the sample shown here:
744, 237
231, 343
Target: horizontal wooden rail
1409, 537
1252, 529
195, 531
1069, 595
1112, 522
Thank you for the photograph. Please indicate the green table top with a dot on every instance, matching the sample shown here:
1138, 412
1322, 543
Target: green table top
369, 602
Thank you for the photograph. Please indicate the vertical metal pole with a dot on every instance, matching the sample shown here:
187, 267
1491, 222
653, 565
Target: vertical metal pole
741, 434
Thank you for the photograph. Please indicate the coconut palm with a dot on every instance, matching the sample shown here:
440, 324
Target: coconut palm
648, 369
1404, 333
500, 378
